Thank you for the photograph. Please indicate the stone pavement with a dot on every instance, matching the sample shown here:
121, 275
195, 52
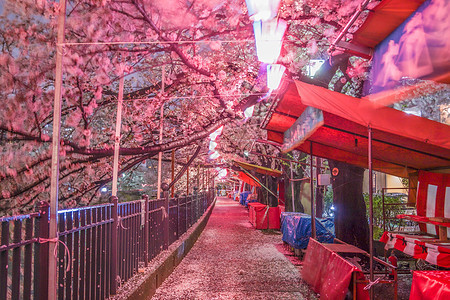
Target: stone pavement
232, 260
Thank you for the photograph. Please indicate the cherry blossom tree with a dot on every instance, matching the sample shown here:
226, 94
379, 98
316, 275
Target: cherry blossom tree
211, 74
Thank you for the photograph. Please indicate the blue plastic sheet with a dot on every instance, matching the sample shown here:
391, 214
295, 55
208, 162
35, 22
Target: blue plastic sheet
247, 201
243, 197
296, 229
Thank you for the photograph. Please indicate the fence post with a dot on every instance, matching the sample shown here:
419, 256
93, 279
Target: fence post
165, 188
186, 212
178, 217
196, 203
146, 229
41, 256
113, 258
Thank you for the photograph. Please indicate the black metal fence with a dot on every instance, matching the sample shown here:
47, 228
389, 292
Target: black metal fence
99, 247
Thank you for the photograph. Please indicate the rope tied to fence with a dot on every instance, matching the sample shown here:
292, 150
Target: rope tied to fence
121, 223
265, 216
57, 241
371, 283
164, 211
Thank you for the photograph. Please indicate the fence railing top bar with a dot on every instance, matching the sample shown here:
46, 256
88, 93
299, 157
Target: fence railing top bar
64, 211
19, 217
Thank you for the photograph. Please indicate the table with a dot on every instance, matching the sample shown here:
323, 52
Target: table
419, 246
441, 222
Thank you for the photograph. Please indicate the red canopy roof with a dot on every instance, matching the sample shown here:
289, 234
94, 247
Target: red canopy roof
247, 179
401, 142
258, 169
383, 19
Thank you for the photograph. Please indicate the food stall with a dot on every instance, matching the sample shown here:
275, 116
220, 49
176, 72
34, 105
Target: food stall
335, 126
261, 216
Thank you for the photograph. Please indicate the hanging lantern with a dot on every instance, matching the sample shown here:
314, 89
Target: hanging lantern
269, 38
248, 112
212, 145
216, 133
262, 10
215, 155
222, 173
274, 74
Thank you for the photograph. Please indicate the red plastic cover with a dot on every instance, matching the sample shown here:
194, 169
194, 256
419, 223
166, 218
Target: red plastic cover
328, 273
432, 285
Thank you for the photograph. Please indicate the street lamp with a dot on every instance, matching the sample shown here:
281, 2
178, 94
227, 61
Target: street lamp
269, 38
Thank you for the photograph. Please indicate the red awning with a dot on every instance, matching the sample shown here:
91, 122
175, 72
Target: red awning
383, 19
402, 143
258, 169
247, 179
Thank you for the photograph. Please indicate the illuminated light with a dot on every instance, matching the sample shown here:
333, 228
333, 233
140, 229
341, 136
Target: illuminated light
246, 153
262, 10
216, 133
212, 145
274, 74
222, 173
314, 66
104, 190
269, 38
248, 112
214, 155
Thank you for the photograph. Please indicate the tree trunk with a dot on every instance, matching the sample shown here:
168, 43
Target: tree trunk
350, 218
320, 190
273, 186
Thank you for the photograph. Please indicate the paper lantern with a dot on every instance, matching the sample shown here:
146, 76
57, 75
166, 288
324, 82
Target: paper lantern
212, 145
269, 38
274, 74
216, 133
262, 10
248, 112
215, 155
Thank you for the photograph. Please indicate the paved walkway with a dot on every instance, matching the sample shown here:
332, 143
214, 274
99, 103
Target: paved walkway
232, 260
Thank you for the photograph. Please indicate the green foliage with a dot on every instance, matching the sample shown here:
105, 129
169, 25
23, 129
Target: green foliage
328, 210
390, 211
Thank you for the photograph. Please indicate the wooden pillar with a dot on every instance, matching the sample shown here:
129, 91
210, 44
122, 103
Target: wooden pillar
54, 179
117, 137
313, 206
161, 128
372, 277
